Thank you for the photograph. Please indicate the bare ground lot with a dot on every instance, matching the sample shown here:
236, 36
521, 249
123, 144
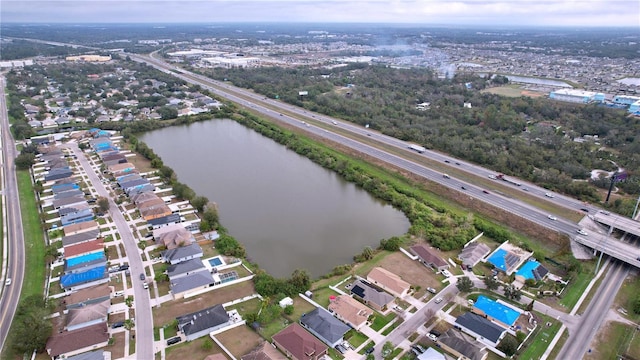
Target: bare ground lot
170, 310
409, 270
193, 350
240, 340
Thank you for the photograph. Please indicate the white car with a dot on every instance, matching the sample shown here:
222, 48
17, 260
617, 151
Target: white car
582, 232
432, 337
549, 195
7, 282
438, 300
551, 217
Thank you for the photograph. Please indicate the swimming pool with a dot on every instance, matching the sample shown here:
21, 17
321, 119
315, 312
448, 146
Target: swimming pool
497, 311
526, 271
216, 261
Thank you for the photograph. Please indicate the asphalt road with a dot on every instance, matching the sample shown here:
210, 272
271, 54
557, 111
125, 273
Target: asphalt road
578, 343
13, 230
142, 303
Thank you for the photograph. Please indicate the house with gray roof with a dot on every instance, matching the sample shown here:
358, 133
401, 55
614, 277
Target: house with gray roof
92, 314
68, 193
182, 253
479, 327
164, 221
201, 323
327, 328
185, 268
80, 237
370, 295
473, 253
458, 344
195, 281
92, 355
67, 202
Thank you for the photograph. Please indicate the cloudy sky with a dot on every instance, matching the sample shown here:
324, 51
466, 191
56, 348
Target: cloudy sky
459, 12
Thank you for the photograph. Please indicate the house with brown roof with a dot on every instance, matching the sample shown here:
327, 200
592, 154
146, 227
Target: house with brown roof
388, 281
264, 351
86, 247
298, 344
80, 227
84, 316
69, 343
155, 211
429, 257
173, 236
87, 296
351, 311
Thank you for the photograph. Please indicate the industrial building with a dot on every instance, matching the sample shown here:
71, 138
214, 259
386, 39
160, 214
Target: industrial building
576, 96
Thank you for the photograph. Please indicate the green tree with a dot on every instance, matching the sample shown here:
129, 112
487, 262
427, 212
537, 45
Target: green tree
129, 324
491, 283
24, 161
31, 329
103, 204
51, 253
636, 305
511, 292
508, 345
199, 202
464, 284
288, 309
129, 301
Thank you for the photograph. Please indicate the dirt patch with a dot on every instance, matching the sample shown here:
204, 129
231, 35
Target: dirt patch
409, 270
240, 340
533, 94
170, 310
197, 349
117, 349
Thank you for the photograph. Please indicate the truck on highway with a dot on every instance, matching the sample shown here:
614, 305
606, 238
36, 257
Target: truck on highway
510, 181
417, 148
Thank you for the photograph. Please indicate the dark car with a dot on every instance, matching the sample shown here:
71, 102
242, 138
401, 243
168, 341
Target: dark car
142, 277
447, 161
463, 188
124, 267
584, 209
485, 191
369, 350
118, 324
173, 340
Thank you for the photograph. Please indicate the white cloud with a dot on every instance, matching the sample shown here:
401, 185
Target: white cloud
472, 12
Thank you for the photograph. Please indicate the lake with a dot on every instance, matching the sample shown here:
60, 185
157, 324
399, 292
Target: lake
287, 211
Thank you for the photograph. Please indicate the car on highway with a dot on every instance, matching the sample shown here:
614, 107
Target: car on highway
551, 217
584, 209
604, 212
446, 176
457, 163
582, 232
7, 282
438, 300
485, 191
334, 122
549, 195
447, 161
463, 188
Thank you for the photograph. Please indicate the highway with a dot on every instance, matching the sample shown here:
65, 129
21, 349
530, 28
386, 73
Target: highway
594, 316
12, 230
321, 126
142, 303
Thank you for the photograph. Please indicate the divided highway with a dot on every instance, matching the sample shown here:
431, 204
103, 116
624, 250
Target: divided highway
14, 257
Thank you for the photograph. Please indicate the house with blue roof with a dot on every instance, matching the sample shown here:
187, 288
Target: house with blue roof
77, 217
81, 280
495, 311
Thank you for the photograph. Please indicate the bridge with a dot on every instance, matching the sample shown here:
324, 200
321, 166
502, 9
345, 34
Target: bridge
609, 245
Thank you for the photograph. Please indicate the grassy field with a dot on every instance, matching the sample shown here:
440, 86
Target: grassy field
575, 289
626, 297
541, 339
33, 238
616, 341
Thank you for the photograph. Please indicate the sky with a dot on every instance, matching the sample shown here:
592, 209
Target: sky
546, 13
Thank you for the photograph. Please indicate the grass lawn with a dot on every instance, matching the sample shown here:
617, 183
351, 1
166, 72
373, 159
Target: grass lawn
626, 296
239, 340
33, 237
246, 307
355, 338
540, 340
268, 330
616, 341
321, 296
379, 321
575, 289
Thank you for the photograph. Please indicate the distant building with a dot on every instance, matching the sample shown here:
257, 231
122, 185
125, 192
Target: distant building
625, 99
576, 96
88, 58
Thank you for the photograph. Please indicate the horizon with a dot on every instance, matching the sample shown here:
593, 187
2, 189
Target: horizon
467, 13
